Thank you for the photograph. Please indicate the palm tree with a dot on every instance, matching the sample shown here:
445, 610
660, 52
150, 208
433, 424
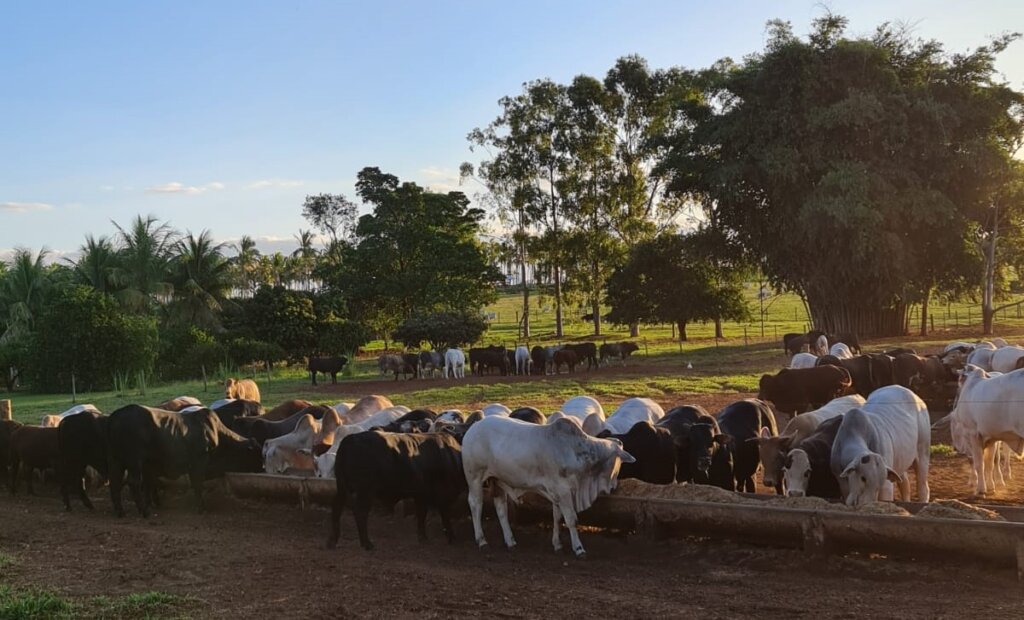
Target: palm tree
144, 256
202, 279
279, 269
305, 256
96, 264
21, 292
247, 263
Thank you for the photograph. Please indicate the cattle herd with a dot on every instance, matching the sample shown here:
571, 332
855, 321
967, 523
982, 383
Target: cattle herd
521, 360
855, 426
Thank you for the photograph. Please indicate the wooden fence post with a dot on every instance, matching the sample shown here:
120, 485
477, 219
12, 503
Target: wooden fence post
6, 413
745, 343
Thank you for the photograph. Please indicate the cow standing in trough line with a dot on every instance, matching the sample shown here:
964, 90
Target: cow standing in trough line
806, 468
32, 448
327, 365
148, 444
798, 390
557, 461
82, 443
744, 422
393, 466
700, 445
654, 450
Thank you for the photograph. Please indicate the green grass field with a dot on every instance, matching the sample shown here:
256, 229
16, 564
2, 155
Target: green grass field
730, 365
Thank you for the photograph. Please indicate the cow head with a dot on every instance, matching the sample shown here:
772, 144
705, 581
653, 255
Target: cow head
323, 464
865, 478
230, 388
772, 451
796, 473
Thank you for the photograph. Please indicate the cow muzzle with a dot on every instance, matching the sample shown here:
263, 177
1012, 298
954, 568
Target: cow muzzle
794, 493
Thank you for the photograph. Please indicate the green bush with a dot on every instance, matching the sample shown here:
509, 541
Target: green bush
339, 336
441, 330
86, 333
246, 351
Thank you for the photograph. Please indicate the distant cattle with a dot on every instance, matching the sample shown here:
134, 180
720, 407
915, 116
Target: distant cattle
538, 360
82, 443
244, 388
618, 350
148, 444
567, 358
390, 363
485, 359
744, 421
32, 448
432, 362
390, 467
454, 364
523, 360
796, 391
557, 461
327, 365
585, 351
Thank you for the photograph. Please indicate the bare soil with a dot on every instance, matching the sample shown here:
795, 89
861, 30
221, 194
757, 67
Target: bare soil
243, 559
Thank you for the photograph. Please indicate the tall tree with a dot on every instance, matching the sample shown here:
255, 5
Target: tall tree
96, 263
246, 263
22, 293
333, 215
144, 256
202, 281
305, 257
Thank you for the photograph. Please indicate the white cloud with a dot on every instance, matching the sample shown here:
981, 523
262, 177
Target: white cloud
24, 207
441, 180
275, 184
52, 256
176, 187
107, 188
268, 244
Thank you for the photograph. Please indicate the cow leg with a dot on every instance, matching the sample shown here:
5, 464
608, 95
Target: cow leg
444, 508
421, 519
312, 375
989, 453
12, 482
336, 509
501, 507
334, 377
1000, 458
136, 486
29, 471
556, 527
475, 498
978, 462
116, 482
361, 511
905, 487
82, 493
195, 479
569, 514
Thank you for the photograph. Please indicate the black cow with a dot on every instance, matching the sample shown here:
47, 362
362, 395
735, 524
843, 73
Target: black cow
532, 415
860, 369
32, 448
793, 343
654, 450
743, 421
698, 443
6, 428
82, 441
539, 357
241, 408
486, 358
327, 365
149, 444
796, 390
850, 340
820, 482
620, 350
393, 466
882, 370
416, 421
263, 430
410, 365
585, 351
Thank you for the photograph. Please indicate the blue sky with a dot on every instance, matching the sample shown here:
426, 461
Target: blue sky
224, 115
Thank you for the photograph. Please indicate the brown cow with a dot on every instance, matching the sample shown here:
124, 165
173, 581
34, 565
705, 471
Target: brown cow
286, 410
795, 390
567, 357
919, 373
33, 447
179, 403
241, 388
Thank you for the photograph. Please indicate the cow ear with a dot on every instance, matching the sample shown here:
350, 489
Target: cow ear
723, 439
849, 469
893, 476
766, 432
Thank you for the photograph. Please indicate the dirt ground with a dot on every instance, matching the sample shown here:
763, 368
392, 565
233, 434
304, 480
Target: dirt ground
245, 558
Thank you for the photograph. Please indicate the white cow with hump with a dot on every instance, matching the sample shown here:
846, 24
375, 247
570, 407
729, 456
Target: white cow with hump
841, 351
557, 461
633, 411
323, 464
803, 360
1004, 359
987, 411
877, 444
523, 360
587, 411
454, 364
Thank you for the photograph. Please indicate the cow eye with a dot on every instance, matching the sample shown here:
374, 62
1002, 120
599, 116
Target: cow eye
863, 479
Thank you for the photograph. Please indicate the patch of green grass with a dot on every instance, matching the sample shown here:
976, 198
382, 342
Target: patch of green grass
6, 560
150, 605
31, 604
942, 449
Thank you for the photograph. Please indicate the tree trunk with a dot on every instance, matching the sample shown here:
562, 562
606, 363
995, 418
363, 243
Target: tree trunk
634, 330
924, 311
989, 285
681, 329
595, 307
526, 301
558, 302
718, 328
837, 317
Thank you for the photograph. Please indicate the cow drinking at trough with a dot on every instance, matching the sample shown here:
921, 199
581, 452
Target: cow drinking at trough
633, 411
149, 443
877, 443
557, 461
654, 450
807, 470
327, 365
744, 422
393, 466
700, 445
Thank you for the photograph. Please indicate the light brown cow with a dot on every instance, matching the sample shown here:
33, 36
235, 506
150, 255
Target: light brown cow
366, 407
286, 410
242, 388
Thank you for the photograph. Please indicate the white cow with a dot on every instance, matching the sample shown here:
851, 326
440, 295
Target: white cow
592, 425
633, 411
1004, 360
217, 404
323, 464
454, 364
343, 408
821, 345
803, 360
291, 451
958, 345
557, 461
523, 360
582, 406
981, 357
987, 411
999, 343
841, 351
495, 409
878, 442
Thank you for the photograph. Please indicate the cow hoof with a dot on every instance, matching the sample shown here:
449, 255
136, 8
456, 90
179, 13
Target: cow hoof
511, 547
486, 548
581, 555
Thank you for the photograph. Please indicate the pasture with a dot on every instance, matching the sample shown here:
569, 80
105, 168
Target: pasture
177, 563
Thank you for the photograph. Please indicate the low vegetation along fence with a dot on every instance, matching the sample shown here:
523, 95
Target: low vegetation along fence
814, 530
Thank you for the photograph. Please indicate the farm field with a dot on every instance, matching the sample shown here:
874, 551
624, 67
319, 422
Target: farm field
173, 564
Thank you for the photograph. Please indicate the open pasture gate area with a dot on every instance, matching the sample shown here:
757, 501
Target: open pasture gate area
757, 520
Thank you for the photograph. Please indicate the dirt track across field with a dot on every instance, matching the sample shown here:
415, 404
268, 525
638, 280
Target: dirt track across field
251, 559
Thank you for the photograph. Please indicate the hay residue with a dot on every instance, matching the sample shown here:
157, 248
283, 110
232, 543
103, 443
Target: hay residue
818, 503
882, 508
684, 491
955, 509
